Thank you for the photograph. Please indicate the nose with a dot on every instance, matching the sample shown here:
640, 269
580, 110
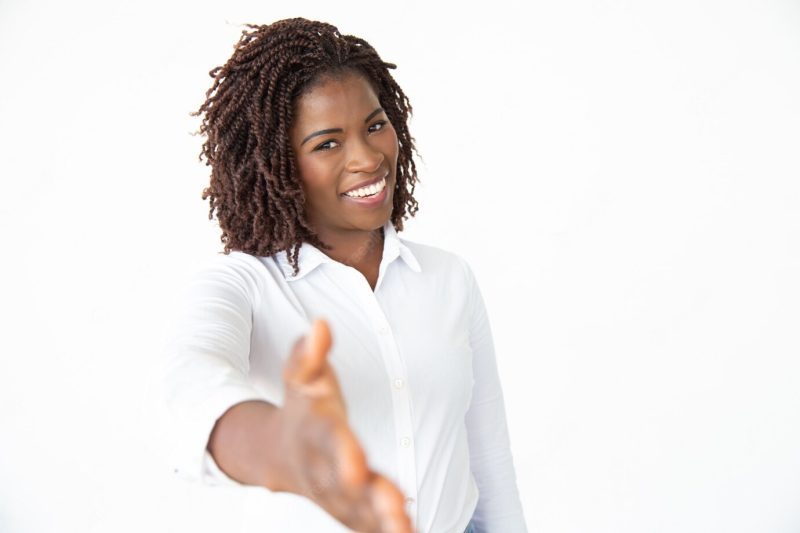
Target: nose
362, 157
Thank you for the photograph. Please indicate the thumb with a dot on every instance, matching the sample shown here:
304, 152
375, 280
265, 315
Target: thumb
309, 355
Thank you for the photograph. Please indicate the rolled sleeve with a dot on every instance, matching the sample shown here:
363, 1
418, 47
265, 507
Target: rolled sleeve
206, 364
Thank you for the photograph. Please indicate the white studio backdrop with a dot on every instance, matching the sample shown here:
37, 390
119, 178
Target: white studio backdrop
623, 177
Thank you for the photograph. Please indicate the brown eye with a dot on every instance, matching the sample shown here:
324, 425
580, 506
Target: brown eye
377, 126
325, 146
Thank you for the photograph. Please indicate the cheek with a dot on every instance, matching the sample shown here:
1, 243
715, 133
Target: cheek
389, 145
314, 175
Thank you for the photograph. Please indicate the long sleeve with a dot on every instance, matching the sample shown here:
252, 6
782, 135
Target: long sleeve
499, 507
206, 362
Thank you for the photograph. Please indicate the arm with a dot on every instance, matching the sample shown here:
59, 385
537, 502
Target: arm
206, 362
225, 433
244, 445
499, 507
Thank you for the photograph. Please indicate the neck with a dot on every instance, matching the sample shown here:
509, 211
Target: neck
356, 248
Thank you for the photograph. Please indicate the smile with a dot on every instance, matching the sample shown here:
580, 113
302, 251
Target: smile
368, 191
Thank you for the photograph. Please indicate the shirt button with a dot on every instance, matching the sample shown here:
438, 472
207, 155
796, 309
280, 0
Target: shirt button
405, 442
409, 501
398, 383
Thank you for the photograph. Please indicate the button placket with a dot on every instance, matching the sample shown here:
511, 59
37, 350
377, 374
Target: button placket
401, 405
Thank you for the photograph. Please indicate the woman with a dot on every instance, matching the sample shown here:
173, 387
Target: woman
386, 415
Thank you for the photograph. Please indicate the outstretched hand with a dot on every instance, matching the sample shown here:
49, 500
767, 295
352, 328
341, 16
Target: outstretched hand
326, 460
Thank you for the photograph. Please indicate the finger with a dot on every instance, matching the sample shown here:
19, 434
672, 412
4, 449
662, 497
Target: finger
309, 355
350, 461
389, 503
349, 498
320, 337
353, 510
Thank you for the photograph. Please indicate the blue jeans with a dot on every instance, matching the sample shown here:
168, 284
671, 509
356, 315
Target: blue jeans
469, 529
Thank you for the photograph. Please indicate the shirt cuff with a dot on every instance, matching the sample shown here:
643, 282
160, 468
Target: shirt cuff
190, 458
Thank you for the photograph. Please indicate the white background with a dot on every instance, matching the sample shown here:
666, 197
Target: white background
624, 178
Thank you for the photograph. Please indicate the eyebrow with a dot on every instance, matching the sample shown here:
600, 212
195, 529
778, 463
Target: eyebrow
338, 130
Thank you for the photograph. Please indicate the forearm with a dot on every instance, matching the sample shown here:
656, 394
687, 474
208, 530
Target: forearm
245, 445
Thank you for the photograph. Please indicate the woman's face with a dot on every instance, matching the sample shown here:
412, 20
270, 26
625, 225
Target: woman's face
343, 141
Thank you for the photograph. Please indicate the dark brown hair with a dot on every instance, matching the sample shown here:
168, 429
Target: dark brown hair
254, 188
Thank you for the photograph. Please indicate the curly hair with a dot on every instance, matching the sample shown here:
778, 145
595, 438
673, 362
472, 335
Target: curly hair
254, 187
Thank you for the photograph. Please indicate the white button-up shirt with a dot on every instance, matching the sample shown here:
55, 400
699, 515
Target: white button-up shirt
414, 358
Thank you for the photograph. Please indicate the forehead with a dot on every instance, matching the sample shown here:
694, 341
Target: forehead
335, 98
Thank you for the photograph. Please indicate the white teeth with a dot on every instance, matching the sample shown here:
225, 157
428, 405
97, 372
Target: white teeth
369, 190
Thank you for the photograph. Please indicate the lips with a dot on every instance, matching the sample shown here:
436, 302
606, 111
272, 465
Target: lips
368, 182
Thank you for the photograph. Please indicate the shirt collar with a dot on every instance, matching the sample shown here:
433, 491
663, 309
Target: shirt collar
310, 257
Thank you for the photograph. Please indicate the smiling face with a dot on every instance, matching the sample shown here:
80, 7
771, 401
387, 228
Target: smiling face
343, 141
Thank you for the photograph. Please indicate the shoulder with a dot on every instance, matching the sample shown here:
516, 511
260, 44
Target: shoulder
235, 272
440, 262
237, 264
